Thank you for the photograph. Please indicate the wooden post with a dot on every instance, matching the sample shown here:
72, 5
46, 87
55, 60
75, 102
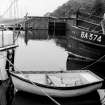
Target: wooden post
14, 34
103, 24
2, 38
77, 16
10, 60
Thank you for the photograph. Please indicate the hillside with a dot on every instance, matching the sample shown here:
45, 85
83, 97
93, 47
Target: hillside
10, 21
96, 7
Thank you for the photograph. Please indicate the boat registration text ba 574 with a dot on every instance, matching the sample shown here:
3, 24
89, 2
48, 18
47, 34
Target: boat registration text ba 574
91, 36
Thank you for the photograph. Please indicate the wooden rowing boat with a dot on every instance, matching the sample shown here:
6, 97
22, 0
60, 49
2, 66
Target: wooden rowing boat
56, 83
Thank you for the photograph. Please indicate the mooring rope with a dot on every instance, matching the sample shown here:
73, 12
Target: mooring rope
103, 98
51, 98
93, 62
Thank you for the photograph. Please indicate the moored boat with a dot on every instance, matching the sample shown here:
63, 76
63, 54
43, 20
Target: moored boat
57, 83
86, 37
86, 43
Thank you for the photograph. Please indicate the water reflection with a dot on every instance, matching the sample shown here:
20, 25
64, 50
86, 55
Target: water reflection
36, 35
22, 98
41, 50
41, 54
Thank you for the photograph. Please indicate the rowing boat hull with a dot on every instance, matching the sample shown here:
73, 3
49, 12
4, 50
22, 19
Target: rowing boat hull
26, 85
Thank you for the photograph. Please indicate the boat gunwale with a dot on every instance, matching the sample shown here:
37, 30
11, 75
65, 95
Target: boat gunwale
59, 87
87, 30
3, 48
82, 58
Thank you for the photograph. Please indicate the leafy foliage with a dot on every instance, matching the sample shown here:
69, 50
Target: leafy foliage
96, 7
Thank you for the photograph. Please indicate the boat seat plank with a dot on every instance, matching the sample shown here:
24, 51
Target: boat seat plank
55, 81
60, 81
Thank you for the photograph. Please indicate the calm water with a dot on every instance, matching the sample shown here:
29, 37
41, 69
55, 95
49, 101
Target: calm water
39, 51
40, 55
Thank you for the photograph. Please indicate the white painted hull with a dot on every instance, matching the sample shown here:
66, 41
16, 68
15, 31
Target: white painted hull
40, 90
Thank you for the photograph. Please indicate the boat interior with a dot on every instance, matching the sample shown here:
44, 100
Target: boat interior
66, 79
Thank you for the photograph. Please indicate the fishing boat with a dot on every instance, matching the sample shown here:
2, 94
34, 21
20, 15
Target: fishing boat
85, 37
56, 83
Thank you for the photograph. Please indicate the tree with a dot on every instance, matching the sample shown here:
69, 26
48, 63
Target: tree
98, 8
